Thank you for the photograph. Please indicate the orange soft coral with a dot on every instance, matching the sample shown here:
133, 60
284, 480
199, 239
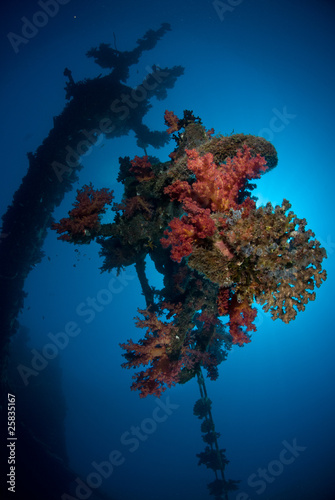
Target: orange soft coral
172, 121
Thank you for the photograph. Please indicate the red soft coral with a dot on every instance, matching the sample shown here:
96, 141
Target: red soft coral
197, 224
216, 189
241, 316
223, 301
165, 352
180, 237
83, 221
142, 168
135, 205
153, 349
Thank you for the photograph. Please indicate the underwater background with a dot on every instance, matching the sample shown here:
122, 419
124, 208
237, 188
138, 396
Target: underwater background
251, 66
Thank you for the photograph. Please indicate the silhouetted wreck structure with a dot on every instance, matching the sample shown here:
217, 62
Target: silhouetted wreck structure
102, 105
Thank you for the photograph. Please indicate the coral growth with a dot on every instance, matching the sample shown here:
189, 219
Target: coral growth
83, 221
155, 349
142, 168
264, 253
165, 350
216, 189
217, 252
172, 121
241, 315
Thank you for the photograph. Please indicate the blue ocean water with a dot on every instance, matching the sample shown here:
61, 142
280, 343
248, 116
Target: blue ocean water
251, 66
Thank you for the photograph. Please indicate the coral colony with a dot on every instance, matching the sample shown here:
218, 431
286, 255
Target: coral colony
194, 216
218, 253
